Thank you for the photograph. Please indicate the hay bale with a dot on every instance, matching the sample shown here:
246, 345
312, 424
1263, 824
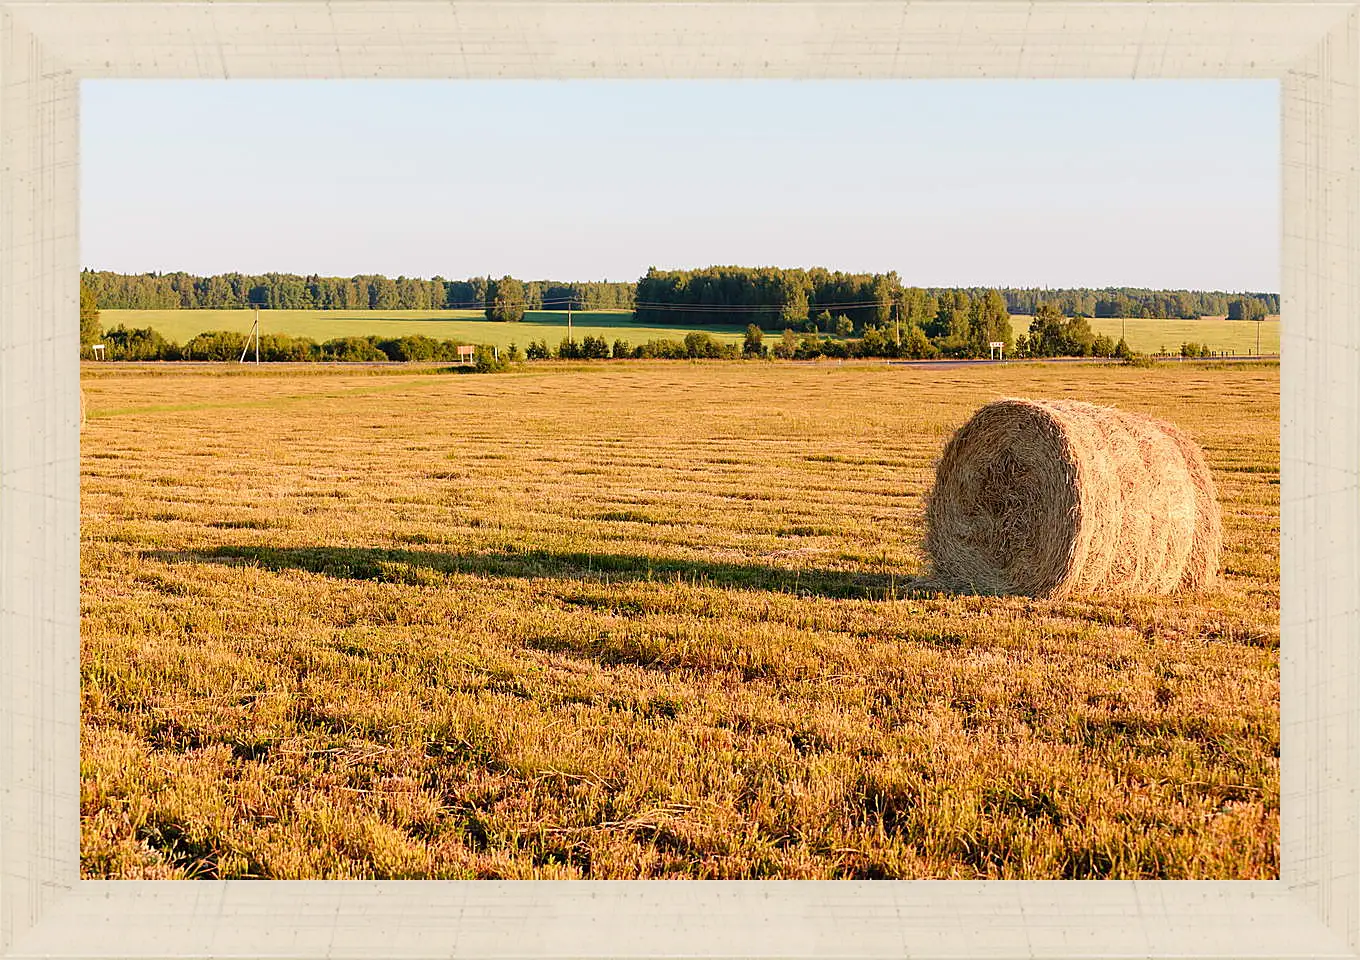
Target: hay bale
1053, 497
1201, 568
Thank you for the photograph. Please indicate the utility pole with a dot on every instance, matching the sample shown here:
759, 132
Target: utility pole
255, 333
1258, 335
570, 297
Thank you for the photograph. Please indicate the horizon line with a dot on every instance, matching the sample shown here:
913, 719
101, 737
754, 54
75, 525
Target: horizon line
527, 279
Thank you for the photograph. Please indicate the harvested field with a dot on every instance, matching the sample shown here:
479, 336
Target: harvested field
643, 620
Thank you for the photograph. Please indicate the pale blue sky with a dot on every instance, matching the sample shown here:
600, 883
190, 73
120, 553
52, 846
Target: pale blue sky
1005, 183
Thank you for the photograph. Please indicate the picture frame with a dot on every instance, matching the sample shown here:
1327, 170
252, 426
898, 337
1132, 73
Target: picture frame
48, 48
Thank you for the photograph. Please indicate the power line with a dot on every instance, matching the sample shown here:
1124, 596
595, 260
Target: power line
739, 307
576, 304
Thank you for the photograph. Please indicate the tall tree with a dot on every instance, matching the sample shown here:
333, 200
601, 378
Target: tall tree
793, 289
1046, 330
1246, 309
383, 294
505, 300
991, 323
753, 345
439, 294
90, 331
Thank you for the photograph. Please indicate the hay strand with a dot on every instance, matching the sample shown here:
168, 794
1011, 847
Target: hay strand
1054, 497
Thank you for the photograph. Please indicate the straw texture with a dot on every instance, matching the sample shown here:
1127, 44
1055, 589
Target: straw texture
1054, 497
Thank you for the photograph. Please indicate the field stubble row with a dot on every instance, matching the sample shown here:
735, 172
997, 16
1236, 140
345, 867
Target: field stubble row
648, 620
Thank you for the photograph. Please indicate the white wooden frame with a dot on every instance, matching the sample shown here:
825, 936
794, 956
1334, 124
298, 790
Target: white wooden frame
47, 47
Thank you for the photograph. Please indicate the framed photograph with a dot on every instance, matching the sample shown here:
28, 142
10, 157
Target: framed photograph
895, 464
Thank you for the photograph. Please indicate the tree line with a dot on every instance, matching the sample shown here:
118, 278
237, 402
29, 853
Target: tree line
145, 343
888, 319
1140, 303
775, 297
1051, 335
770, 297
290, 291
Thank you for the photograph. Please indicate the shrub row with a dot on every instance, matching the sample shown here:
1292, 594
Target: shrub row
121, 343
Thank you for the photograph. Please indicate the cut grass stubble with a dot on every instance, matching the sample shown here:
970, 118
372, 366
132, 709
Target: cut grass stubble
643, 621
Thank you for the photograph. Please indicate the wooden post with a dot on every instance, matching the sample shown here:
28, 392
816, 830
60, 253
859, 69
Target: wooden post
255, 333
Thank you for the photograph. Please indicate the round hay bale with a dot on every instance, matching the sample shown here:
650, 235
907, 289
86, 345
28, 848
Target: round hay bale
1053, 497
1201, 568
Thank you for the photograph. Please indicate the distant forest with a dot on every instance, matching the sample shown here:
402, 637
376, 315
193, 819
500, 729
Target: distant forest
1133, 302
776, 298
772, 298
290, 291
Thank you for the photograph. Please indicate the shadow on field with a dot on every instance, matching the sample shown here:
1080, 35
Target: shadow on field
422, 567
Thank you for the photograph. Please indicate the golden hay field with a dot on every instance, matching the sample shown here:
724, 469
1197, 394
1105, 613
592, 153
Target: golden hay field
642, 620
